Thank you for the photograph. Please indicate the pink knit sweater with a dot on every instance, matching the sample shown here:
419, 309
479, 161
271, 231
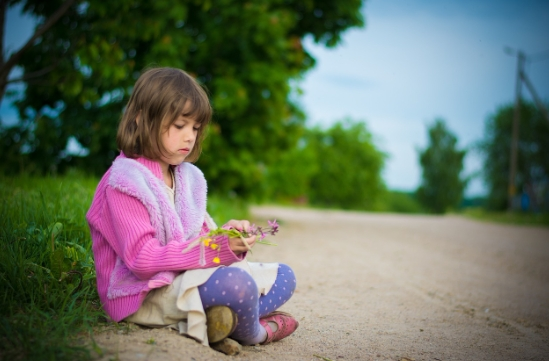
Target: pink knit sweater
139, 237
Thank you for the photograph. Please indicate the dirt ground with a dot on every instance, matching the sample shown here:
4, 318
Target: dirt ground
389, 287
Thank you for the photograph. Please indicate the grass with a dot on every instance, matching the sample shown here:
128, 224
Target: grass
48, 300
518, 218
47, 294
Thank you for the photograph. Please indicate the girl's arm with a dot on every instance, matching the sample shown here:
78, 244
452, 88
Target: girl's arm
133, 239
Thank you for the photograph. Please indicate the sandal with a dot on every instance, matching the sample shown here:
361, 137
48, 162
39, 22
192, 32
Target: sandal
285, 322
220, 322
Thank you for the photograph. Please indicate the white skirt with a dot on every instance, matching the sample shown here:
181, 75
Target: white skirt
179, 305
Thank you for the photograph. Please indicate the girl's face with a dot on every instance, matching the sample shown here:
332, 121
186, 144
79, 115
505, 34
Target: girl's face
178, 140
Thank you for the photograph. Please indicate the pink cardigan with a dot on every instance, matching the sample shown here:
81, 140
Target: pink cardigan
139, 237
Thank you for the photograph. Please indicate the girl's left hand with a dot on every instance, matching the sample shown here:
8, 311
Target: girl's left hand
237, 245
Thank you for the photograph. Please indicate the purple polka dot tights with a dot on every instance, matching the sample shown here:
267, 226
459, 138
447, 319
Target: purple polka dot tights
235, 288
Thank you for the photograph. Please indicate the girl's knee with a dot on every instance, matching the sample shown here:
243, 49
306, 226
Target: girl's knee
229, 286
239, 279
287, 277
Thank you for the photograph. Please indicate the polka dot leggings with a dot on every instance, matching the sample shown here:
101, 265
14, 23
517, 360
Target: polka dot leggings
235, 288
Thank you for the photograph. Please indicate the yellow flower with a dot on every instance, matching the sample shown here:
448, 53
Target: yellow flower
216, 260
207, 241
214, 246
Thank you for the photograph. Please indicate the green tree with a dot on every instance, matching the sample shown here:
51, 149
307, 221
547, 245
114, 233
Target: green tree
8, 63
532, 161
290, 175
244, 53
442, 163
349, 165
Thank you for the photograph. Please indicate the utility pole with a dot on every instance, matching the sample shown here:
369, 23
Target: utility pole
514, 138
521, 77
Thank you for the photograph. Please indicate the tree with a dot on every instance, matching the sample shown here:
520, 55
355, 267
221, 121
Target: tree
532, 175
349, 165
7, 65
442, 163
244, 53
290, 175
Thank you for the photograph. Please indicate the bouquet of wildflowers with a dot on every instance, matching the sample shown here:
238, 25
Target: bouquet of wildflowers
214, 238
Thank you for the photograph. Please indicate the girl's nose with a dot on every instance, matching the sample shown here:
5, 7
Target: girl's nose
190, 134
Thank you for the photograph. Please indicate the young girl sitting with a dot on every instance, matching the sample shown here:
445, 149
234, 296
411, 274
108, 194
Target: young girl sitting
148, 211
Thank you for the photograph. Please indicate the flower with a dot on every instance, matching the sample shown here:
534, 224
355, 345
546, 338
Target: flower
214, 238
273, 225
261, 232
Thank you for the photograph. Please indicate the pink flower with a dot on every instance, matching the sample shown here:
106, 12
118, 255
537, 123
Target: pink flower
274, 227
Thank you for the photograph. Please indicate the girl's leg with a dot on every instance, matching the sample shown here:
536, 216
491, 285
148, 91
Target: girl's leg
280, 293
235, 288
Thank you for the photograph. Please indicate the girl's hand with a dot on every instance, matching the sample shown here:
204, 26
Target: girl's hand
237, 245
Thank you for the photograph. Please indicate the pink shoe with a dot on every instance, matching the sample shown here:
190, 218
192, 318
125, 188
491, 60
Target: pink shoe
285, 322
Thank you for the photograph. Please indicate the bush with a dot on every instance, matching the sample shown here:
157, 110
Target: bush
338, 167
401, 202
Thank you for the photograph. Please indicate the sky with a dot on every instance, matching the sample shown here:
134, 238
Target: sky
418, 60
413, 62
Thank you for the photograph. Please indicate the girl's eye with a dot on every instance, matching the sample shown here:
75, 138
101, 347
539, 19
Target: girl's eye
197, 129
178, 126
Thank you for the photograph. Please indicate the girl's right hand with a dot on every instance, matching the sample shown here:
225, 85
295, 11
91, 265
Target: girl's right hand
238, 246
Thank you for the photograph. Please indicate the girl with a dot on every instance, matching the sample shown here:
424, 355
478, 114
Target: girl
151, 205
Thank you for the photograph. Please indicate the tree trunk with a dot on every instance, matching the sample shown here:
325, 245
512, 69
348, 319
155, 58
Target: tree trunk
3, 7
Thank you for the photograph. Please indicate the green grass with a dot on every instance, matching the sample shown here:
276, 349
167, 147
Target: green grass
518, 218
47, 293
48, 299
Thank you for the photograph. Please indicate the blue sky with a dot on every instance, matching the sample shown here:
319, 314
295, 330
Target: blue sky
417, 60
414, 61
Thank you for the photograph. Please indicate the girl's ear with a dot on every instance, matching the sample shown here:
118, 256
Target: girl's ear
138, 118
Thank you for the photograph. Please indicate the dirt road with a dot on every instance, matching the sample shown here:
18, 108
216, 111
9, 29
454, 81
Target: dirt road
391, 287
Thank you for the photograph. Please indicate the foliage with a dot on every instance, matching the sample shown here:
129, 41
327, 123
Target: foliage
532, 175
46, 268
245, 54
442, 186
222, 209
340, 167
400, 202
519, 218
289, 177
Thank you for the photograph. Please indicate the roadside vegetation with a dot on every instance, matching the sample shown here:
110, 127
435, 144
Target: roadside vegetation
48, 299
515, 218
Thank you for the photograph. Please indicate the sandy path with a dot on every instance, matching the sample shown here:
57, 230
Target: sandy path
391, 287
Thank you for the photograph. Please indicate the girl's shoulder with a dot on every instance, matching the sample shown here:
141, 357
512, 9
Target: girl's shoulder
190, 169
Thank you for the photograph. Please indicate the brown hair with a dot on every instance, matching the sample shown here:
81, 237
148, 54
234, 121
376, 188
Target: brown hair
158, 98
